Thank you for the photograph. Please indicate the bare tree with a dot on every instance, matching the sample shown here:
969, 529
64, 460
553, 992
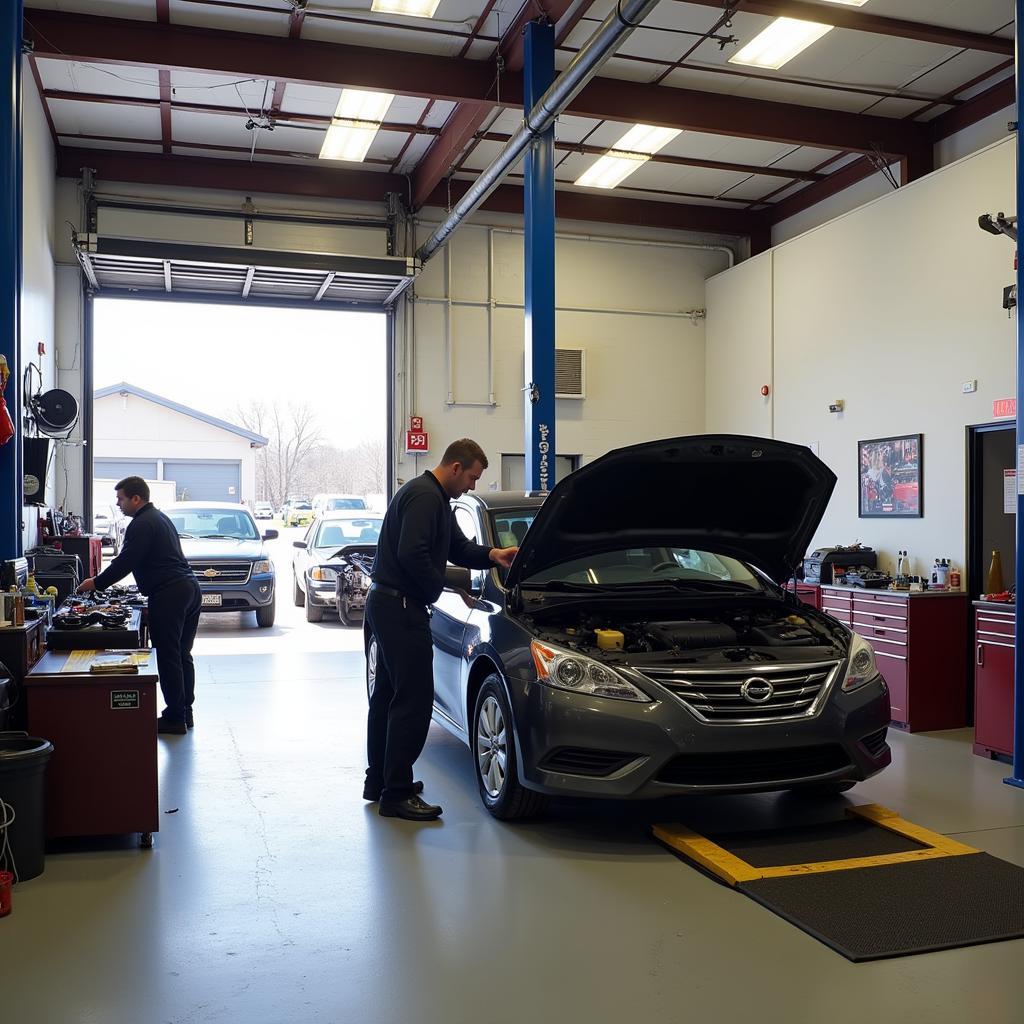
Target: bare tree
292, 436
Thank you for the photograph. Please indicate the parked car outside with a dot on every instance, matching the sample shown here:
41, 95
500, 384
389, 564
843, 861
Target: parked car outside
337, 503
324, 577
645, 647
263, 510
298, 513
225, 549
109, 525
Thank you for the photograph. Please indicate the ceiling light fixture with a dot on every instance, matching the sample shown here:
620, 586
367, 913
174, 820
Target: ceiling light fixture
633, 150
410, 8
848, 3
780, 42
355, 124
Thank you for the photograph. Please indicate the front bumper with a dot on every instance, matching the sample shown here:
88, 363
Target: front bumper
575, 745
257, 593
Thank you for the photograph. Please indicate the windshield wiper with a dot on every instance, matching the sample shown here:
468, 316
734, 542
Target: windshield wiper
187, 536
579, 588
222, 536
682, 584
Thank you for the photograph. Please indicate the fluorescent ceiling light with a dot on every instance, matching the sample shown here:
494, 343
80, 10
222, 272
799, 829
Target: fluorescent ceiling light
780, 42
635, 148
610, 170
849, 3
355, 124
415, 8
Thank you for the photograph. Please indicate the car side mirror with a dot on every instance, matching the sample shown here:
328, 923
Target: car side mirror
457, 578
296, 543
270, 535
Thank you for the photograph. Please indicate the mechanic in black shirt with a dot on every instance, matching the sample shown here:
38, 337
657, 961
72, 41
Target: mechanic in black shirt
152, 554
418, 536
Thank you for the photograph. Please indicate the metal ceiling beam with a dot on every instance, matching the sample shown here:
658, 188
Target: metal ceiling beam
335, 182
863, 21
165, 109
1000, 96
146, 44
467, 119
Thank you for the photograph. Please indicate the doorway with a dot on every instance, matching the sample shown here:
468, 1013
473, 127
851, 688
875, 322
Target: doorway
992, 503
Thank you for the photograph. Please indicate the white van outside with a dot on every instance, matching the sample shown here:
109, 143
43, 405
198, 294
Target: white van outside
337, 503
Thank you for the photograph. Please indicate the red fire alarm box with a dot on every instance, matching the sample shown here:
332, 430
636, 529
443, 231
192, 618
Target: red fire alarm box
416, 424
416, 442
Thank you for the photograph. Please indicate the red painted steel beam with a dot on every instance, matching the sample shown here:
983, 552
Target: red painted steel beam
1000, 96
83, 37
836, 182
165, 109
295, 20
466, 120
341, 183
859, 20
147, 44
163, 11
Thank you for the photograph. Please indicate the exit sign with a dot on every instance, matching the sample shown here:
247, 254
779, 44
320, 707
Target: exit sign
1003, 408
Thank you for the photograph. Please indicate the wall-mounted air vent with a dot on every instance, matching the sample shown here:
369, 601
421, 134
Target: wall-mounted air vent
570, 367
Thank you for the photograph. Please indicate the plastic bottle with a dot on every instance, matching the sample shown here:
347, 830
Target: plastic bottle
994, 584
954, 577
31, 585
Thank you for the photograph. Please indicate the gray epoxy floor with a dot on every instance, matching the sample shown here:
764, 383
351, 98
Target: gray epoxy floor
275, 894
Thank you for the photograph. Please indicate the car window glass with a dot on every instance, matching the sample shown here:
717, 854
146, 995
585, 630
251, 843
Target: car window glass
467, 523
214, 522
337, 533
652, 565
510, 526
333, 504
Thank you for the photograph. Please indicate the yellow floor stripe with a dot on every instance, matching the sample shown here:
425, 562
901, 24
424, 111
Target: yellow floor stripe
733, 870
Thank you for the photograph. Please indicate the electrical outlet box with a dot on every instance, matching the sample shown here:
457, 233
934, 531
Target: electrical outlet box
969, 387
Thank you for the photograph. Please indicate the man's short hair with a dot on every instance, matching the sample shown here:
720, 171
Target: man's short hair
133, 486
464, 451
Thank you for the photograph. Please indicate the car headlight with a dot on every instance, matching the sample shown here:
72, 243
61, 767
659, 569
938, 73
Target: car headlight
861, 667
579, 674
323, 574
262, 567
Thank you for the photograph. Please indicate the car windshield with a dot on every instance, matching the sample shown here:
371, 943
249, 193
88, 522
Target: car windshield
300, 505
213, 522
333, 504
338, 533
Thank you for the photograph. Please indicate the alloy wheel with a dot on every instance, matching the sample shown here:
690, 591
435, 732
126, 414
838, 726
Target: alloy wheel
371, 667
491, 747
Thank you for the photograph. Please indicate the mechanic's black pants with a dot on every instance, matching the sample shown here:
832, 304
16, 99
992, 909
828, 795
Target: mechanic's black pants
403, 692
173, 621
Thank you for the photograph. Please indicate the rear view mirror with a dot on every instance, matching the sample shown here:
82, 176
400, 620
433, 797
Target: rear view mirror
297, 543
270, 535
457, 578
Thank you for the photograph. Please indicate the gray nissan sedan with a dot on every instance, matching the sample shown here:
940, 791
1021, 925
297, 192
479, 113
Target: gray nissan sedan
642, 644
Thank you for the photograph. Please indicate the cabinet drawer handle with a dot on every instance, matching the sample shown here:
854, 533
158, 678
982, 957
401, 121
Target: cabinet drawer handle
879, 632
878, 618
981, 654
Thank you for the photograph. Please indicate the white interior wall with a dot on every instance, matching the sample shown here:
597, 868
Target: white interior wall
623, 303
37, 290
890, 308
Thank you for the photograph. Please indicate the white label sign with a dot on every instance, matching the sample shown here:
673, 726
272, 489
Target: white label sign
1010, 491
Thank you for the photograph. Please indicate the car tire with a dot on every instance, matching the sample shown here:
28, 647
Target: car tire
265, 615
298, 594
494, 756
314, 613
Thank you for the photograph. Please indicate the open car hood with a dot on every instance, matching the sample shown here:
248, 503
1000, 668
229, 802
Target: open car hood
753, 498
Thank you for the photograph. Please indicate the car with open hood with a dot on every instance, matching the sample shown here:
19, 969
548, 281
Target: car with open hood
643, 647
225, 549
328, 565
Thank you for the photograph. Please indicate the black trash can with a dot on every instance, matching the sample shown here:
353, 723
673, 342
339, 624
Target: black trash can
22, 776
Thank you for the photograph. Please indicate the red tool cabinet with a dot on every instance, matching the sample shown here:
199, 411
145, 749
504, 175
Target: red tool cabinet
994, 632
102, 776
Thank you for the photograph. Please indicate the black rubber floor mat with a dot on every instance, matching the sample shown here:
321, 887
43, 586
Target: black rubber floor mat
831, 840
902, 909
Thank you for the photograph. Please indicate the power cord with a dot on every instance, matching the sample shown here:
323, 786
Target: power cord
7, 817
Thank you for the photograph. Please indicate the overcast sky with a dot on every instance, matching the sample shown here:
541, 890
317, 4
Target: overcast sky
216, 358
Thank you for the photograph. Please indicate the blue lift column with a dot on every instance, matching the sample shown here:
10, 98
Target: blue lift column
539, 250
10, 268
1017, 779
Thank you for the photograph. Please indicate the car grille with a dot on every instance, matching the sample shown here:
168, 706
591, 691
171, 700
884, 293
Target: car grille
740, 696
228, 572
582, 761
875, 742
749, 768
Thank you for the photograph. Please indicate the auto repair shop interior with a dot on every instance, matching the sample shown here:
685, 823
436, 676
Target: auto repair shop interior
736, 736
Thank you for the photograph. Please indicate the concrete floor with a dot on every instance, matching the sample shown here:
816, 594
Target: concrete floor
275, 894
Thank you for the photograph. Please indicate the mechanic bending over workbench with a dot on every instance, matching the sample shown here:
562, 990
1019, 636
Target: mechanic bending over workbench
152, 554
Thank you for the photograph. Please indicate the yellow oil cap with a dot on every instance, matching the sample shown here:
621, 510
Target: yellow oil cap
610, 639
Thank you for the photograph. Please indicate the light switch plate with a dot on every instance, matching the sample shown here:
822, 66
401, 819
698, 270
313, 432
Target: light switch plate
969, 387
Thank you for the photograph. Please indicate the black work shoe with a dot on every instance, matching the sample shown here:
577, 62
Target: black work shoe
189, 720
412, 809
372, 793
165, 725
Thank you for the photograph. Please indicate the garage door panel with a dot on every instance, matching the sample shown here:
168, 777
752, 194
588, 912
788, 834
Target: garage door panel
118, 469
204, 479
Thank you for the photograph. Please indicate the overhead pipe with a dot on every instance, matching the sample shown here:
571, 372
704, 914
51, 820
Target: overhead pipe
614, 30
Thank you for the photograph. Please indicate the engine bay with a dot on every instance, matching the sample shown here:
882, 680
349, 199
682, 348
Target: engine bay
736, 628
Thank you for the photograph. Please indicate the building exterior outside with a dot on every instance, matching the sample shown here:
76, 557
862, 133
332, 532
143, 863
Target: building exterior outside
140, 433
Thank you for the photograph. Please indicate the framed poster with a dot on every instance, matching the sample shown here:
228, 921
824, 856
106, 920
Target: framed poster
889, 475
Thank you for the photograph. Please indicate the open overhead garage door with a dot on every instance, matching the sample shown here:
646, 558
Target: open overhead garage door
116, 266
